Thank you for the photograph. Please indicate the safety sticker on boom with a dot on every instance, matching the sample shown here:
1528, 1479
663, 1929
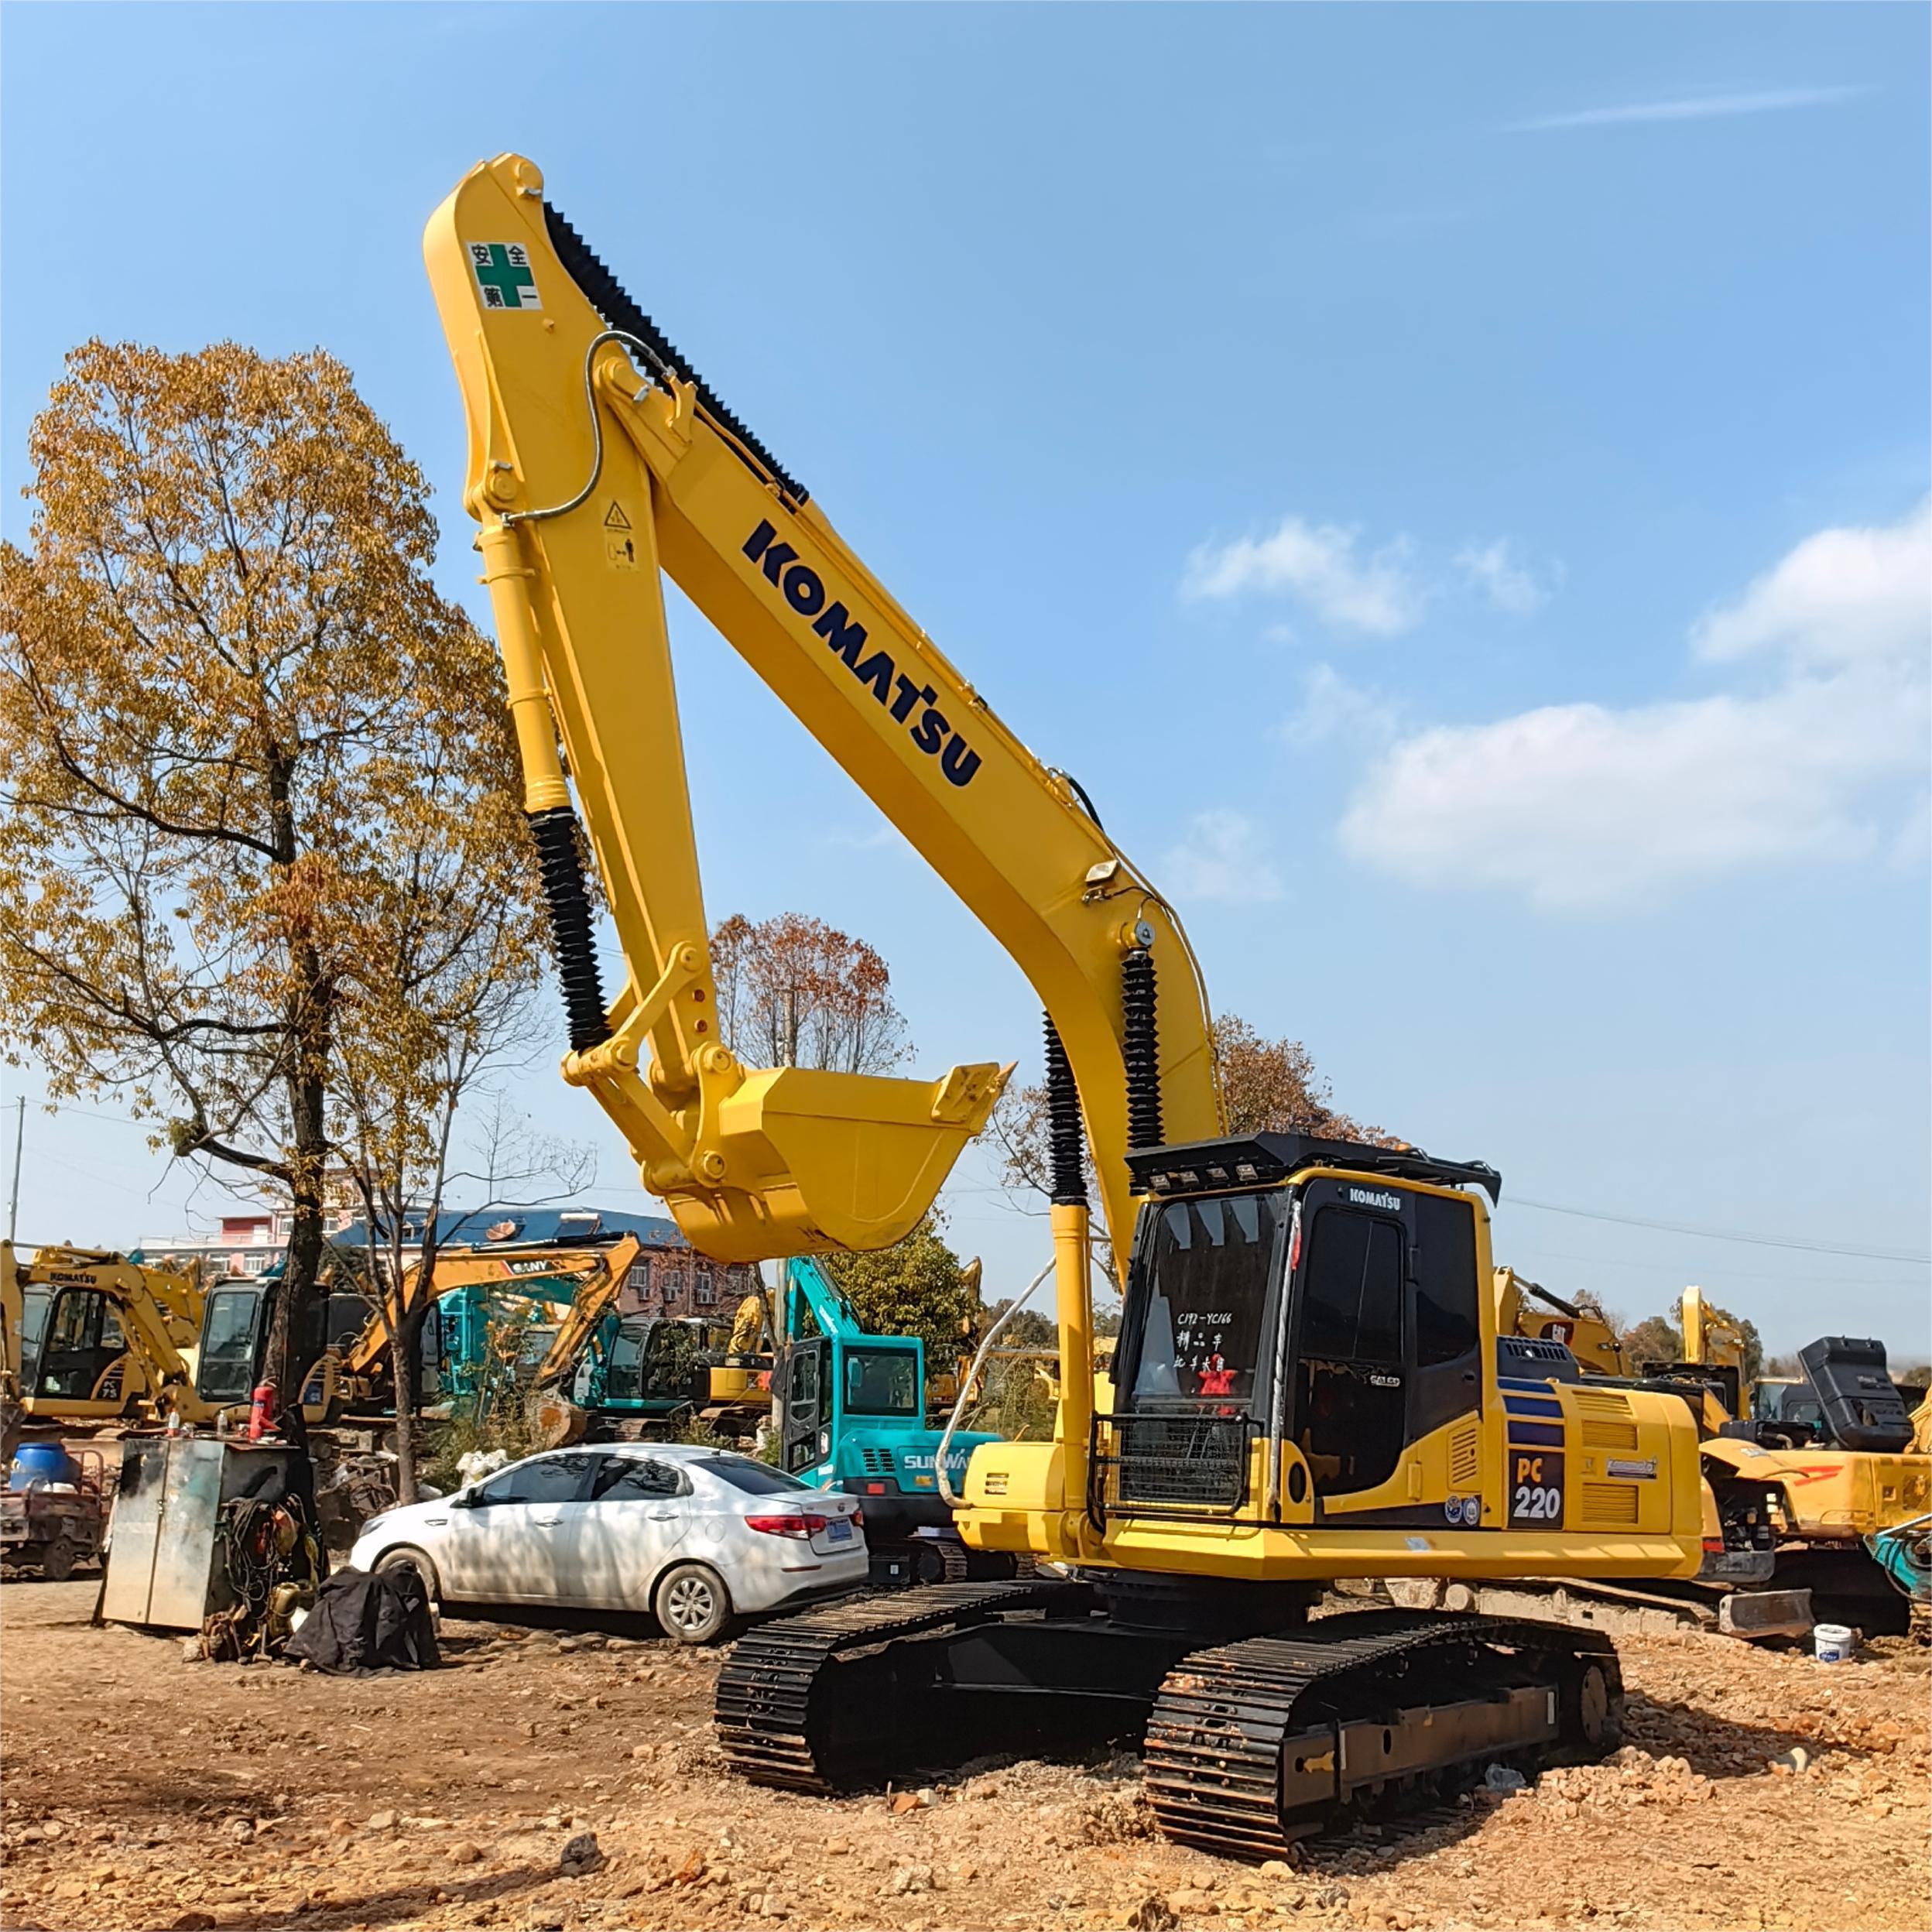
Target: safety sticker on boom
504, 275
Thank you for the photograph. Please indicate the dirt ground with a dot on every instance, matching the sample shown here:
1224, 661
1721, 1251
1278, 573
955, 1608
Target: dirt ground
141, 1792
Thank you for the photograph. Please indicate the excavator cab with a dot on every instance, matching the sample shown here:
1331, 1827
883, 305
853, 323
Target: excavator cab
1338, 1315
82, 1356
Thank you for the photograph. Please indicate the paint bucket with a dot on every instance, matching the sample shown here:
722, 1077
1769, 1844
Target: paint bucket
1834, 1643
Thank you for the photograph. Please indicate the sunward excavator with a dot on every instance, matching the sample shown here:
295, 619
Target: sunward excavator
1309, 1384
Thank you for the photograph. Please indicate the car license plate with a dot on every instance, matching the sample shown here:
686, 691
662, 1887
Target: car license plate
839, 1531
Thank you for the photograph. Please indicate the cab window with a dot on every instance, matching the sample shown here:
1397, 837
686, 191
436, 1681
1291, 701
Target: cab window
1205, 1272
881, 1381
226, 1370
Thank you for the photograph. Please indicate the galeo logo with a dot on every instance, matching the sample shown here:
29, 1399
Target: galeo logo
1368, 1197
930, 730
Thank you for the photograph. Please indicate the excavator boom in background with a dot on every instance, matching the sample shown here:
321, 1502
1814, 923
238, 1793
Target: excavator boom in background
1309, 1383
1580, 1326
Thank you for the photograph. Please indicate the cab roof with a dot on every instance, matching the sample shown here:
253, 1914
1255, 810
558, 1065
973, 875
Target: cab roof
1265, 1160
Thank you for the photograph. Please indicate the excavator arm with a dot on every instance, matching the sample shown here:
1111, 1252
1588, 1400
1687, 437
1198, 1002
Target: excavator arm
501, 1267
599, 459
595, 1298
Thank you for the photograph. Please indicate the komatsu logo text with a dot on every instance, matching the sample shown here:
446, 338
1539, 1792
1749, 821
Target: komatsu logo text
910, 700
1373, 1198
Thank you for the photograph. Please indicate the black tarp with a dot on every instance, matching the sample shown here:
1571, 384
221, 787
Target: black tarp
363, 1623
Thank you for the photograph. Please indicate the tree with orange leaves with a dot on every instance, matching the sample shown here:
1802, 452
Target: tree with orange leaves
249, 759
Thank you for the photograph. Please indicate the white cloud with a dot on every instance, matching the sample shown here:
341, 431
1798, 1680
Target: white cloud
1376, 592
1840, 597
1492, 568
1221, 858
1582, 805
1333, 709
1696, 107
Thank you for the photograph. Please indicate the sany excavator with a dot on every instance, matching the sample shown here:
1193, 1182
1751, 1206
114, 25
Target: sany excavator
345, 1343
1309, 1383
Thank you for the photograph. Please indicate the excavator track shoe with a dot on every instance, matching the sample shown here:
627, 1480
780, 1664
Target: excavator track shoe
1254, 1744
795, 1707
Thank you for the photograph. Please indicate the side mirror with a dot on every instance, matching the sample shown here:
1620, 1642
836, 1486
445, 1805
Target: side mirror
464, 1499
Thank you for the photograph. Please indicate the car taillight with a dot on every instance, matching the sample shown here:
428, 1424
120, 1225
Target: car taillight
858, 1519
787, 1526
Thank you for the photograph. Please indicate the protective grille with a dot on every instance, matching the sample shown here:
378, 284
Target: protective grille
878, 1462
1463, 1457
1149, 1464
1606, 1419
1609, 1506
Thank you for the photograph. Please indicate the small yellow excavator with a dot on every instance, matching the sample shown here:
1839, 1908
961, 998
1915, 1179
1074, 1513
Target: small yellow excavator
1309, 1384
92, 1338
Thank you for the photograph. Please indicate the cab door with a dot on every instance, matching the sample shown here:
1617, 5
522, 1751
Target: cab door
806, 1399
1387, 1353
1350, 1377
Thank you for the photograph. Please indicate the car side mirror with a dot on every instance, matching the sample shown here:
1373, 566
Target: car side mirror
464, 1499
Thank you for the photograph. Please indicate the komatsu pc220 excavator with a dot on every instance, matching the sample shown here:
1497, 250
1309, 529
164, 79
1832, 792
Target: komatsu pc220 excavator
1310, 1384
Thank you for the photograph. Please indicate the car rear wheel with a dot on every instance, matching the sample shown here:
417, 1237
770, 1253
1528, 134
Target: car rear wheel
692, 1604
409, 1558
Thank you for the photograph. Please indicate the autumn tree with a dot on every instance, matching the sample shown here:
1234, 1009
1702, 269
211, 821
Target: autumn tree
441, 997
1268, 1086
1656, 1338
1659, 1339
917, 1286
224, 673
794, 992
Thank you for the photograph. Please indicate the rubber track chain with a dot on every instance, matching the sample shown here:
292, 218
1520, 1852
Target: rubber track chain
1213, 1753
764, 1692
605, 294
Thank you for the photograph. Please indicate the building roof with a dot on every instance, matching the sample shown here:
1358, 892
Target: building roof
530, 1226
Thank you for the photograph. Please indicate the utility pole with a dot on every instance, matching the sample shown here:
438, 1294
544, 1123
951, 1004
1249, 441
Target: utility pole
19, 1135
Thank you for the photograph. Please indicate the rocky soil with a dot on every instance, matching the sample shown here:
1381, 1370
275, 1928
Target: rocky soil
571, 1781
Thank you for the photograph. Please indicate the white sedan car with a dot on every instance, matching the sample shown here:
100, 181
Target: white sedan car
695, 1537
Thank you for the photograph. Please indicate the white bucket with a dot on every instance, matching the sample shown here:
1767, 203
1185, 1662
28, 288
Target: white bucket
1834, 1643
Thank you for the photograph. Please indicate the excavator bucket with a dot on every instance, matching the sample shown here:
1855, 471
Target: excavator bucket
819, 1161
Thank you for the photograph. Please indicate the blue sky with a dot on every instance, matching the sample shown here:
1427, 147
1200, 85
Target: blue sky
1450, 481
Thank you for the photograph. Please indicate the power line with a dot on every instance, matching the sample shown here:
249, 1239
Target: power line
1714, 1234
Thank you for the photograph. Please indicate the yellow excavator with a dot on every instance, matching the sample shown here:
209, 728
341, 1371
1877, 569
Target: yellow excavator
91, 1338
1581, 1325
1832, 1471
1309, 1383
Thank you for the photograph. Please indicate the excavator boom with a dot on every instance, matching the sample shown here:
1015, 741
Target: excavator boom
597, 459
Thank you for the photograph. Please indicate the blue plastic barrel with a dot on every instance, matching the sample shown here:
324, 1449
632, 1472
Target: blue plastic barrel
41, 1462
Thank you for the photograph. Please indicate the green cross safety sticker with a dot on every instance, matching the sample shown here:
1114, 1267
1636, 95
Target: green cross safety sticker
503, 273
